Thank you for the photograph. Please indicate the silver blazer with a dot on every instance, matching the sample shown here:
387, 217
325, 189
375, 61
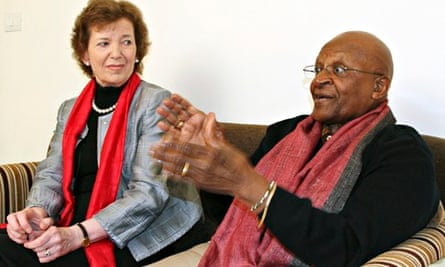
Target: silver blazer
147, 214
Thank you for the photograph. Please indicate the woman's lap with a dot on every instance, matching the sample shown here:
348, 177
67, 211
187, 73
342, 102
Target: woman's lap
13, 254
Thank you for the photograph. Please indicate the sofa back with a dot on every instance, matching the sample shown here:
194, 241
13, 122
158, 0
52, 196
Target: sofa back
437, 146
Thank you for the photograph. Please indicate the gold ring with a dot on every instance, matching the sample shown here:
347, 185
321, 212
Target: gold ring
47, 253
185, 169
179, 125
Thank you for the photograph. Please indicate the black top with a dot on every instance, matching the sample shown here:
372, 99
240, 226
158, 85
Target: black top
395, 196
85, 158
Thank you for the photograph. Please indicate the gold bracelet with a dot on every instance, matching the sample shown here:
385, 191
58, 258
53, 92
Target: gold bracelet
266, 208
263, 198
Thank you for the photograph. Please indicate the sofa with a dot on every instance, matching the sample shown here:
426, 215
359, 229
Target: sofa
425, 248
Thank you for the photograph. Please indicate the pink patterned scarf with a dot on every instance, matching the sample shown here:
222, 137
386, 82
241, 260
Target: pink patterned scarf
325, 178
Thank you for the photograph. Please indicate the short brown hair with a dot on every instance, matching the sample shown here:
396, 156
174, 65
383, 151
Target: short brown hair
100, 13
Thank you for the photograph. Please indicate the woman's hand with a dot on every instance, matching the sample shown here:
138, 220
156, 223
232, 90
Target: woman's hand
55, 242
27, 224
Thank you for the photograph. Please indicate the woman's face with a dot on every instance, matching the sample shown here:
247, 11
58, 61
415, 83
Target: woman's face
111, 52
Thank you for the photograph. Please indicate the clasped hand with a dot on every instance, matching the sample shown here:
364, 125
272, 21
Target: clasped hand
36, 231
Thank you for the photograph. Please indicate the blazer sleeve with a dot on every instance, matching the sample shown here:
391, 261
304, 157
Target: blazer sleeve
46, 189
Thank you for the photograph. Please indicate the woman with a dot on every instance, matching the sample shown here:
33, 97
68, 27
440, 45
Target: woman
94, 202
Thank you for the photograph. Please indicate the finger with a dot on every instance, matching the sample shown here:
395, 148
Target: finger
170, 117
182, 108
18, 237
212, 134
164, 126
23, 221
174, 110
41, 242
45, 223
174, 167
47, 255
173, 170
169, 151
180, 111
173, 135
171, 112
169, 154
188, 107
170, 132
13, 223
14, 231
178, 158
163, 111
158, 152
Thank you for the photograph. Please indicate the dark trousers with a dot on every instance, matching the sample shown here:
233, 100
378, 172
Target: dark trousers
15, 255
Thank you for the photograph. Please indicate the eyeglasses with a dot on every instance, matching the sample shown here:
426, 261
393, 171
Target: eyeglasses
338, 70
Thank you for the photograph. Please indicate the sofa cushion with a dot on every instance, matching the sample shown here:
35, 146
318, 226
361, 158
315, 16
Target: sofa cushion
188, 258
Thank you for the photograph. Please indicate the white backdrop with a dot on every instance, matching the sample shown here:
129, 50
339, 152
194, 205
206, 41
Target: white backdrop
239, 58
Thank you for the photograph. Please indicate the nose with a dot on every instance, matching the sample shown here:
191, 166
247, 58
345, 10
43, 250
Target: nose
116, 51
322, 78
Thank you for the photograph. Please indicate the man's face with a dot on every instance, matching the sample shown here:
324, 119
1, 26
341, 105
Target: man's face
341, 97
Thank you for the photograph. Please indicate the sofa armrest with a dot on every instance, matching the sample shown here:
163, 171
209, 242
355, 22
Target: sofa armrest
15, 182
424, 248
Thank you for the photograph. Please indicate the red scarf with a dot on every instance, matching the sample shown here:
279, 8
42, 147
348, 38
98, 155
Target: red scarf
99, 254
291, 163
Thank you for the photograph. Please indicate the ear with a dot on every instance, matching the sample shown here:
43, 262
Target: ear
381, 88
86, 59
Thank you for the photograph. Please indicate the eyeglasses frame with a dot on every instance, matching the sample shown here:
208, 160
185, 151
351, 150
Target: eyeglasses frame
306, 69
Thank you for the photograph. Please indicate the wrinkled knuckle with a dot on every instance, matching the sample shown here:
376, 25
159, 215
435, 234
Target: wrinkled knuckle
57, 238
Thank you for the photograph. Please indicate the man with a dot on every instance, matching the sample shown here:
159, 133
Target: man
334, 188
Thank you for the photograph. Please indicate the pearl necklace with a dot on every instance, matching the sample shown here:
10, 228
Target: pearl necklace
103, 110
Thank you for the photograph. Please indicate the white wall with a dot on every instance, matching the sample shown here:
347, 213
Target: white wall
239, 58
